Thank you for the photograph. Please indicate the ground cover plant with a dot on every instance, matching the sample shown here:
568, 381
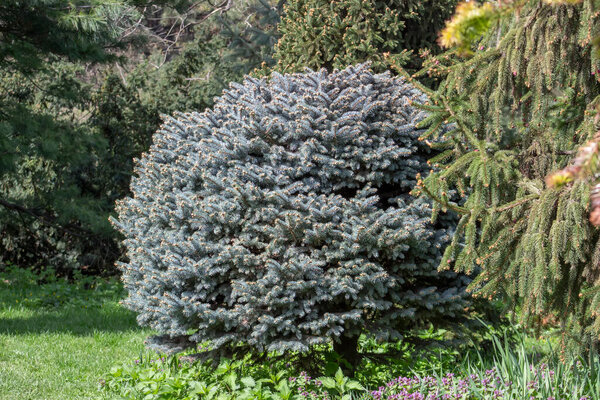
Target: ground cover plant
510, 370
58, 338
282, 219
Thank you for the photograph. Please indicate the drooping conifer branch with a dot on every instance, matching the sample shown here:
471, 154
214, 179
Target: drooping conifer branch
520, 107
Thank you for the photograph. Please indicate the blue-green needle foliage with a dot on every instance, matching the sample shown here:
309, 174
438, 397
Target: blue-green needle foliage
281, 218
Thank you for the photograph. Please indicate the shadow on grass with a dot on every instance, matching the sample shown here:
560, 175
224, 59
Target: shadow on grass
72, 320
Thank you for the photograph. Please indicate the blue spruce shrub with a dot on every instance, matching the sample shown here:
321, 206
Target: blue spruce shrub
281, 219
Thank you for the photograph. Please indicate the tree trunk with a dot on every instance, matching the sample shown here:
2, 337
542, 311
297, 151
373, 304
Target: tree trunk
347, 348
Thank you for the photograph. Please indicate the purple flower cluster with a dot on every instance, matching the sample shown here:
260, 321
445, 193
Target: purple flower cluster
309, 388
488, 385
448, 387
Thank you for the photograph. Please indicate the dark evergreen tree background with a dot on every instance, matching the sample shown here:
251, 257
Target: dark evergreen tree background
82, 90
334, 34
49, 213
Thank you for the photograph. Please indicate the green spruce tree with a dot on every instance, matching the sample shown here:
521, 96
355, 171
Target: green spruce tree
521, 105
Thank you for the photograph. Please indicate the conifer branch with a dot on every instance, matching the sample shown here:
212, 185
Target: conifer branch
447, 204
46, 219
517, 203
472, 138
411, 79
532, 240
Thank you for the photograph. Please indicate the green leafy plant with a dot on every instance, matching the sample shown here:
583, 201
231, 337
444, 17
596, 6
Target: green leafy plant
170, 378
340, 385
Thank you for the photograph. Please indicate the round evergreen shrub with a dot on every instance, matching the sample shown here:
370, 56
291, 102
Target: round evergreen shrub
281, 219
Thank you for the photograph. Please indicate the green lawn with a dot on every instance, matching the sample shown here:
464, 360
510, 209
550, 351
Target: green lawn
56, 341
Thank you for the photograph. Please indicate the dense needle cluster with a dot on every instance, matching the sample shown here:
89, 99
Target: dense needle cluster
282, 219
335, 34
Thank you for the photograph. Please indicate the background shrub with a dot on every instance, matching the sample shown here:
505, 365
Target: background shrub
335, 34
282, 218
82, 91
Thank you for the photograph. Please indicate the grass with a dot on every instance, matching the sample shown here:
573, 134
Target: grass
57, 339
